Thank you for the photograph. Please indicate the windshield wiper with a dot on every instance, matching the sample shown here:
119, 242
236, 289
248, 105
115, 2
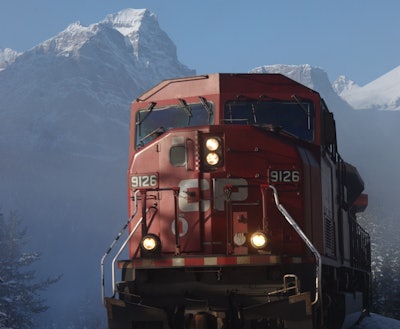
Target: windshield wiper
277, 129
306, 111
148, 110
207, 108
253, 110
187, 109
155, 133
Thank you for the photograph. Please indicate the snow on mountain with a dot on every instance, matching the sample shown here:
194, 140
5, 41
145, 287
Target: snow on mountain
70, 41
380, 94
344, 85
311, 77
77, 86
7, 57
150, 43
128, 22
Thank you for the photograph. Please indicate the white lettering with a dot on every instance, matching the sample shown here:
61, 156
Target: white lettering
284, 176
239, 191
189, 189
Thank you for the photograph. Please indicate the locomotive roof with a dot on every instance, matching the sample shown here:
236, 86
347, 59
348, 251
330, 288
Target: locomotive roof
218, 83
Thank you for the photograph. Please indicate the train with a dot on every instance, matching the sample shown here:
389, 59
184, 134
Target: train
242, 213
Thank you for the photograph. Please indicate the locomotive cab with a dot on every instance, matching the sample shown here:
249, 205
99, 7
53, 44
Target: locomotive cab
242, 212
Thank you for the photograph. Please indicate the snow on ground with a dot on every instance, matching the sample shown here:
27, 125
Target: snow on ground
376, 321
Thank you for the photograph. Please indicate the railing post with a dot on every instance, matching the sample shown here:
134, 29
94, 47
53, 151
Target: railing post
144, 222
177, 244
292, 222
113, 244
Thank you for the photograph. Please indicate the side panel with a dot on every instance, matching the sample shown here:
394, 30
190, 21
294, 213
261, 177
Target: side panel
312, 198
329, 195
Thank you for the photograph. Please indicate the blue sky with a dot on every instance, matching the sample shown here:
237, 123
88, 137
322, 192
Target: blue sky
357, 38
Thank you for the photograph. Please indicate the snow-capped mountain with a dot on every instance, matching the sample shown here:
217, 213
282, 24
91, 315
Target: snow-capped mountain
312, 77
153, 49
380, 94
78, 85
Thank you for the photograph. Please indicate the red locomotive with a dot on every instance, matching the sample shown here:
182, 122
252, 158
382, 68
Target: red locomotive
242, 212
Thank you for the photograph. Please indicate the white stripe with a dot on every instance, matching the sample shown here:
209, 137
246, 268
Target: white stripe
296, 260
178, 262
243, 260
210, 261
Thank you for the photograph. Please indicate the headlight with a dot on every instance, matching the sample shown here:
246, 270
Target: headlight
212, 144
259, 240
212, 158
150, 245
212, 151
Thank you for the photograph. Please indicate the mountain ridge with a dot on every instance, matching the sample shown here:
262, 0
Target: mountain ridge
382, 93
78, 85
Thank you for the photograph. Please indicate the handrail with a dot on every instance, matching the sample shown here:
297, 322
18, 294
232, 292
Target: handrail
119, 253
113, 244
309, 244
121, 249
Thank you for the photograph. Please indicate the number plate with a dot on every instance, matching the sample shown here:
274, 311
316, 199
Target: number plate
284, 176
144, 181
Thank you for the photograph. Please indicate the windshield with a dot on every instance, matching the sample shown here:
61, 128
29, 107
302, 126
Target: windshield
296, 118
153, 122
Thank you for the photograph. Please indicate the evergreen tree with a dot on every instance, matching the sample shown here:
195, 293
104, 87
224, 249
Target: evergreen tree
19, 288
382, 224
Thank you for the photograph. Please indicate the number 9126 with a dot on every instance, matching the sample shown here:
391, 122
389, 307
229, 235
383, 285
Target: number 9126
284, 176
144, 181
